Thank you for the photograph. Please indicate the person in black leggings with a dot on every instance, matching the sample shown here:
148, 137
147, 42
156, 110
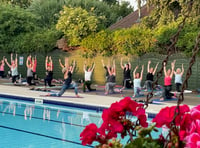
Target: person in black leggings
127, 74
49, 72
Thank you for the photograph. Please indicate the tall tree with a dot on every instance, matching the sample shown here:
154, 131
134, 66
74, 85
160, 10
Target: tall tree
47, 11
76, 23
21, 3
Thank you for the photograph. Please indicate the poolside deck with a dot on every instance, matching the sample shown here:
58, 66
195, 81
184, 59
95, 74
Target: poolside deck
96, 98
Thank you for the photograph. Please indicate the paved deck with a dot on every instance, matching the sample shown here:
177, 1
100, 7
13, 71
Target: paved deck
94, 98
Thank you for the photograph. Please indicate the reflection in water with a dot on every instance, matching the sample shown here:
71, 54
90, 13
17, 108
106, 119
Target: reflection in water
46, 114
165, 130
85, 117
11, 107
28, 111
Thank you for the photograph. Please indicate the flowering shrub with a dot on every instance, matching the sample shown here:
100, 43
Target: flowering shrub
183, 124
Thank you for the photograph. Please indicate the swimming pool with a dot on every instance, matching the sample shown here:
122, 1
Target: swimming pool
26, 124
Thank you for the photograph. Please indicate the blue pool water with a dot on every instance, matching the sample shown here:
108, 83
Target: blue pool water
24, 124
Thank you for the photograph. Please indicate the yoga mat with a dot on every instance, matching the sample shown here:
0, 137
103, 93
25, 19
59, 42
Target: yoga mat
103, 86
143, 101
61, 96
166, 100
43, 90
47, 87
17, 84
185, 92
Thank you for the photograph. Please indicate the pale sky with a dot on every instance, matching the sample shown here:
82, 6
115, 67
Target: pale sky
132, 2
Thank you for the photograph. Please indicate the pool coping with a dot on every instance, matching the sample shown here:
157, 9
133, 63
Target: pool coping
45, 100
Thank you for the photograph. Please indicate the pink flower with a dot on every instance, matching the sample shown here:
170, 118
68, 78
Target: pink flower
195, 112
88, 135
193, 141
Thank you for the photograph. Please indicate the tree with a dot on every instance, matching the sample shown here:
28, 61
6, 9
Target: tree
13, 22
76, 23
110, 2
168, 11
21, 3
107, 14
98, 43
47, 11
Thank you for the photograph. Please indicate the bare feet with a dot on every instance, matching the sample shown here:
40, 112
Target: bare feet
77, 96
48, 94
161, 99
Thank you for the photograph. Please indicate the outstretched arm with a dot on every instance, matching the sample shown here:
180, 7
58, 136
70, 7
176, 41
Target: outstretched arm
27, 60
102, 63
93, 67
165, 72
114, 67
35, 61
84, 66
121, 63
141, 74
182, 70
172, 67
46, 61
148, 66
61, 65
11, 57
16, 60
135, 71
7, 63
74, 64
51, 63
155, 68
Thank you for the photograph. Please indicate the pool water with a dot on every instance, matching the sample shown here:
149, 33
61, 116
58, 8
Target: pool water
24, 124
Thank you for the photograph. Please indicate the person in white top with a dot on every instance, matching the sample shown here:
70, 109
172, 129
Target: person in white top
137, 82
178, 78
87, 80
14, 68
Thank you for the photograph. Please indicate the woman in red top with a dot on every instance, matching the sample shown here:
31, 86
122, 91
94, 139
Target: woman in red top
168, 82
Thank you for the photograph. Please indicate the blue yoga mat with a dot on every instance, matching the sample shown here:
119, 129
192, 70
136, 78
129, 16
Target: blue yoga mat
166, 100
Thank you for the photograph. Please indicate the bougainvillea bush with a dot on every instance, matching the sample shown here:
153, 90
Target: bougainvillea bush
119, 120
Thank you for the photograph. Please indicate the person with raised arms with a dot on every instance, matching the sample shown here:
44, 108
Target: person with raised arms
88, 74
67, 82
14, 68
137, 82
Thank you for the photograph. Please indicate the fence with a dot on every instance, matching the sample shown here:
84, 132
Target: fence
99, 72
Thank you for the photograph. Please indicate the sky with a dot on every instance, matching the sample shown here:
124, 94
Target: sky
132, 2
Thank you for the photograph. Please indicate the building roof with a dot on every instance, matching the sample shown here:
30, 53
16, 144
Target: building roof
131, 19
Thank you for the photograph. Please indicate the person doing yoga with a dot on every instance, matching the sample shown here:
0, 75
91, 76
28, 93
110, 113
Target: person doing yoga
149, 77
49, 72
111, 82
127, 74
2, 64
67, 82
168, 81
137, 82
14, 68
29, 66
178, 78
88, 74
